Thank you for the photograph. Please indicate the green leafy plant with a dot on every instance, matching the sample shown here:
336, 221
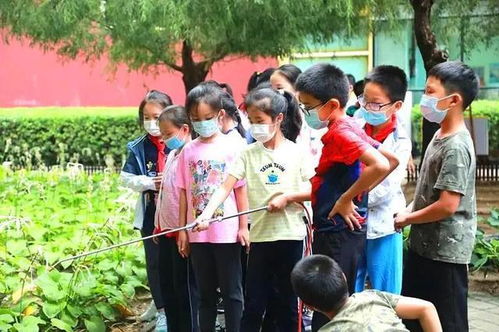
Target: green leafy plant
486, 252
47, 216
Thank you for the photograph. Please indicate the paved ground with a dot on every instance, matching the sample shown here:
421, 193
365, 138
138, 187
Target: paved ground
483, 312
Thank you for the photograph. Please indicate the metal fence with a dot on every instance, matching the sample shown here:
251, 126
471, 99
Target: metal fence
486, 171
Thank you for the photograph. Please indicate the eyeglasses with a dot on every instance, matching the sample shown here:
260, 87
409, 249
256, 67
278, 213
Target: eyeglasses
307, 110
374, 107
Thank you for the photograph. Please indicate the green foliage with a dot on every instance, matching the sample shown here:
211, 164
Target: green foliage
33, 139
65, 112
480, 108
47, 216
486, 252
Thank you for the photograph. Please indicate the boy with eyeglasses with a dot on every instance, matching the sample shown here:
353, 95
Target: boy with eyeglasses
383, 96
341, 183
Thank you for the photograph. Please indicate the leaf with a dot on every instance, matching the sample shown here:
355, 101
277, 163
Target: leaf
30, 310
106, 310
74, 311
124, 311
17, 247
61, 325
6, 318
95, 324
29, 324
52, 309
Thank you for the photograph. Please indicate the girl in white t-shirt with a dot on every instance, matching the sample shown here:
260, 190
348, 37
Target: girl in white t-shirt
276, 173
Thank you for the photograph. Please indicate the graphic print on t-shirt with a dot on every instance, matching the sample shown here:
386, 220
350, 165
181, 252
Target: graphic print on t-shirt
208, 175
272, 172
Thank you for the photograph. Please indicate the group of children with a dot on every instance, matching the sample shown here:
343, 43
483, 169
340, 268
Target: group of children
290, 142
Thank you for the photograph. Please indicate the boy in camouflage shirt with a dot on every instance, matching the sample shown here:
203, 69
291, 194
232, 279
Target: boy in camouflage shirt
444, 209
321, 285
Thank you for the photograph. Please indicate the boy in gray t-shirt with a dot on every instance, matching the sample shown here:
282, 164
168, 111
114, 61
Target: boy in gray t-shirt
443, 217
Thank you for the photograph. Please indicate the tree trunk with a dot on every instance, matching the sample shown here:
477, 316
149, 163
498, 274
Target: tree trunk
193, 73
425, 38
427, 44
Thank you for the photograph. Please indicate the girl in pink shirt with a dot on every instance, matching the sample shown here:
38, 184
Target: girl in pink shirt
176, 276
202, 168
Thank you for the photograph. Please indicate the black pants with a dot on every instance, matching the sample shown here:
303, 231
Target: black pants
178, 287
218, 265
269, 270
443, 284
152, 261
346, 248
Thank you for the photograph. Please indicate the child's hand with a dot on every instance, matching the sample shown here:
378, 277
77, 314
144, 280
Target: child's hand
346, 209
183, 244
202, 224
401, 221
157, 181
243, 238
277, 203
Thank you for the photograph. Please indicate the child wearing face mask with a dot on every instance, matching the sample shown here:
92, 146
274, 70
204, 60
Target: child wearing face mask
176, 278
383, 96
443, 218
141, 172
277, 176
202, 168
350, 165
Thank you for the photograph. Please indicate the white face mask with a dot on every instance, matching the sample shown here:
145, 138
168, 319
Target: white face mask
262, 132
152, 127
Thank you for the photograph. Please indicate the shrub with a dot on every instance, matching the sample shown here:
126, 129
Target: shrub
64, 135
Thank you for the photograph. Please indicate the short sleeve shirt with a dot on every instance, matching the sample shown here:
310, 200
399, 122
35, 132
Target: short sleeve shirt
449, 164
367, 311
202, 168
339, 167
270, 172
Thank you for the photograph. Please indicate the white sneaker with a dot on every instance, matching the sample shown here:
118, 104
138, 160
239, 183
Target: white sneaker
149, 314
161, 324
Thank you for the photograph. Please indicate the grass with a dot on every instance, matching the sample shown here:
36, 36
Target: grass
65, 112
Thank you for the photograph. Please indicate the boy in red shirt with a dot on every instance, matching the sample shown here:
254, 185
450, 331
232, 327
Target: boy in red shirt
350, 165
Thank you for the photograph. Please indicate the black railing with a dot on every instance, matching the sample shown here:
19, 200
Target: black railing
486, 171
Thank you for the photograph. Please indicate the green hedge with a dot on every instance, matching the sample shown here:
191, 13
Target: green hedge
90, 136
481, 108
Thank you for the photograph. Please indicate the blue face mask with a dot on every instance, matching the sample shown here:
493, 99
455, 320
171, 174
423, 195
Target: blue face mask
206, 128
174, 143
429, 109
373, 118
313, 120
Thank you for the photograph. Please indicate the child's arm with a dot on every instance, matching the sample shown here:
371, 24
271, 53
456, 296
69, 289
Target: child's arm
242, 203
218, 197
424, 311
377, 168
183, 238
279, 202
393, 161
444, 207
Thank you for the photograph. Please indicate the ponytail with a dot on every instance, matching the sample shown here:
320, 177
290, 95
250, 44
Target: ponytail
273, 103
291, 125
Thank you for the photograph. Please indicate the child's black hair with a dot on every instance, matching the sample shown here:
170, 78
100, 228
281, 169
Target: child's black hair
290, 72
319, 281
351, 79
456, 77
228, 104
259, 77
224, 86
324, 81
392, 80
273, 103
358, 87
153, 97
177, 115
